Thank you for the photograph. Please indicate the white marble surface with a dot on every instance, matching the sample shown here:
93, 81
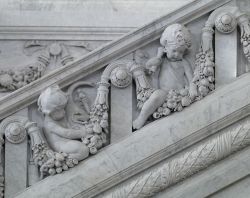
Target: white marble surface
130, 155
167, 135
87, 13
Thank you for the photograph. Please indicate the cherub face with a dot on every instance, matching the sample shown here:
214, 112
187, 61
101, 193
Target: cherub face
174, 52
57, 114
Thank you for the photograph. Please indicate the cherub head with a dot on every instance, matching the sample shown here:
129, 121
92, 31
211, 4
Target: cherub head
52, 102
176, 40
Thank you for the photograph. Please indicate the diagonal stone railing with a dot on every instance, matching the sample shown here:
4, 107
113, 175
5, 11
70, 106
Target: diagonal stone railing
101, 57
163, 152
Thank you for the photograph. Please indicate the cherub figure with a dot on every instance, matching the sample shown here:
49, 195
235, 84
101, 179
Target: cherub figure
60, 137
175, 72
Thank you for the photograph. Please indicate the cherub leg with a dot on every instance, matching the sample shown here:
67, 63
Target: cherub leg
75, 149
155, 100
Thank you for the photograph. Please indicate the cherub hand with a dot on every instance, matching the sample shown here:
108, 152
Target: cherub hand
152, 64
152, 70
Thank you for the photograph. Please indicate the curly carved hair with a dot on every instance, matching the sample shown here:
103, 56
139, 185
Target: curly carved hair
176, 34
52, 99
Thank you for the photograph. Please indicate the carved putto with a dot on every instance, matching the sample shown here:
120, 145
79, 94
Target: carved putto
175, 75
75, 127
178, 84
61, 138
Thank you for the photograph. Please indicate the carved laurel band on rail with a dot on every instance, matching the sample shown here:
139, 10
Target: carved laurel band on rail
149, 183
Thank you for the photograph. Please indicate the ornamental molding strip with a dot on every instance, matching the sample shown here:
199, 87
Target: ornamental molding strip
198, 157
62, 33
103, 56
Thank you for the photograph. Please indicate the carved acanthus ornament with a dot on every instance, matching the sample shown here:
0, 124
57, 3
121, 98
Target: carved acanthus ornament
57, 51
11, 80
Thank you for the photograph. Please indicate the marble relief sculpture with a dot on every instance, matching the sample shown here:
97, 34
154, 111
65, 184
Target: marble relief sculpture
61, 138
74, 128
175, 71
72, 139
179, 85
56, 53
11, 80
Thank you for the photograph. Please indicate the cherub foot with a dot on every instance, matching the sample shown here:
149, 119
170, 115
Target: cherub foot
138, 123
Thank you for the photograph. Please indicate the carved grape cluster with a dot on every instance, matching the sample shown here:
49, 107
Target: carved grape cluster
51, 162
97, 128
175, 101
204, 73
245, 40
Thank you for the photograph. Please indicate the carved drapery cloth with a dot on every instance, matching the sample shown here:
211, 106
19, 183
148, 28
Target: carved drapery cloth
149, 183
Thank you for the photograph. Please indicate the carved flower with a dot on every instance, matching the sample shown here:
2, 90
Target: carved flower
30, 74
93, 150
201, 56
70, 163
18, 76
184, 92
59, 170
6, 80
65, 167
203, 90
52, 171
186, 101
166, 111
171, 104
156, 115
104, 124
97, 128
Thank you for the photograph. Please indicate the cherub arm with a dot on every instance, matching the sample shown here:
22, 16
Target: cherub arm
153, 63
67, 133
190, 76
188, 71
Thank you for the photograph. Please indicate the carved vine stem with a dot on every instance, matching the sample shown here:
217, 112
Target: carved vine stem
199, 157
